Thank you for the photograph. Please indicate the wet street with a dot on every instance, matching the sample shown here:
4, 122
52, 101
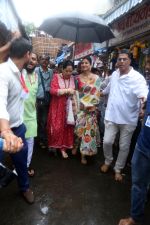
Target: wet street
68, 193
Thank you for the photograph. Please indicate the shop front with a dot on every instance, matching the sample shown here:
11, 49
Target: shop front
132, 31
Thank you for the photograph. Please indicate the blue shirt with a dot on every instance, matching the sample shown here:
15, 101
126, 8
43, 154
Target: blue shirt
47, 77
144, 137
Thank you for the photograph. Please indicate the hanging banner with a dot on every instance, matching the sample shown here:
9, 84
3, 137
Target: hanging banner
83, 49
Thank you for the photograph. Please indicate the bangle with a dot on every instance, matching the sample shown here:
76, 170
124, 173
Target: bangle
59, 92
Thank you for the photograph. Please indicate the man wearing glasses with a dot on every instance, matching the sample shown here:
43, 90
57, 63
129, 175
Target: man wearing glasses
127, 92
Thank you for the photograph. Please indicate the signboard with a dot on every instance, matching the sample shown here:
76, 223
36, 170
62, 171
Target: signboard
83, 49
133, 24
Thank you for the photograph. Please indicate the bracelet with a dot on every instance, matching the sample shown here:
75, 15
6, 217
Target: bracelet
59, 92
5, 131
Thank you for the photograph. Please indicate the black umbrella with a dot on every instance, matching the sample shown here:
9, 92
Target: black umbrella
77, 27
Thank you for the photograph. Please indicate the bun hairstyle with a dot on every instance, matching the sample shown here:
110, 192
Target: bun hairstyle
88, 58
67, 63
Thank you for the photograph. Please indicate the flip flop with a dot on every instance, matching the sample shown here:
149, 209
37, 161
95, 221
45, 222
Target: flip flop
64, 154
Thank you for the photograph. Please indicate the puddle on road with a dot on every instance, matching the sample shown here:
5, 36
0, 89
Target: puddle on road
45, 204
44, 209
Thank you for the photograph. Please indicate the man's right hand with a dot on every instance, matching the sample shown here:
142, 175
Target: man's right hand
12, 143
15, 35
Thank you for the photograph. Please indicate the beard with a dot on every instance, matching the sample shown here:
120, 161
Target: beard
29, 70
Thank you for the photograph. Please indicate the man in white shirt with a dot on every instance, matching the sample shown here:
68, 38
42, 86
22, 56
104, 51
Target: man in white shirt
127, 92
12, 95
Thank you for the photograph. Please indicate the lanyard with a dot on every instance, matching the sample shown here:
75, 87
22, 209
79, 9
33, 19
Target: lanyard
23, 84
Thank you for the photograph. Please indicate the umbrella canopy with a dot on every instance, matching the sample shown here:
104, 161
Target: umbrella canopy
77, 27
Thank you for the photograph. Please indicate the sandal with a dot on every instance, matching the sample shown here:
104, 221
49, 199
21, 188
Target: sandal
43, 145
31, 172
64, 154
83, 160
74, 151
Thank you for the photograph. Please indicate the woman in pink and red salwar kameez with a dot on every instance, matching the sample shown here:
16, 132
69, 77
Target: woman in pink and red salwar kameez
61, 134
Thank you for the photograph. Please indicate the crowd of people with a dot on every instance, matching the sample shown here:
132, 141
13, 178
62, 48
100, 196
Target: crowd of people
74, 111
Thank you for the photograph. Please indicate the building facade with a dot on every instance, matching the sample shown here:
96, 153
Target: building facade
130, 22
46, 44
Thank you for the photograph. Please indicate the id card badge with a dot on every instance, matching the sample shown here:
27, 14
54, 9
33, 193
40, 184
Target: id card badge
24, 94
147, 123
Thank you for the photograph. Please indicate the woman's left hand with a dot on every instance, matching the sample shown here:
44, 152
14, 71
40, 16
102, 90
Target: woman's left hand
71, 91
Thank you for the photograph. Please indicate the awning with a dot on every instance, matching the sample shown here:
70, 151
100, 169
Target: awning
122, 9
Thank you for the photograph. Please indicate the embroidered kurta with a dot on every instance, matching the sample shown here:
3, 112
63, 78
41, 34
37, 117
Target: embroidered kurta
30, 117
86, 124
60, 134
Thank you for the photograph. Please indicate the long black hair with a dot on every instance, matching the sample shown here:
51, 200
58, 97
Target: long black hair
88, 58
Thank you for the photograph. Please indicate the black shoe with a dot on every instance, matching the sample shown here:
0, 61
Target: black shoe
6, 176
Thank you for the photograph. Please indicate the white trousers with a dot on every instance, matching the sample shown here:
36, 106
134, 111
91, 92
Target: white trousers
126, 132
30, 143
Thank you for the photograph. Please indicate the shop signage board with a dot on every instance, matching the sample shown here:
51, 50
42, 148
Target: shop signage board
83, 49
131, 25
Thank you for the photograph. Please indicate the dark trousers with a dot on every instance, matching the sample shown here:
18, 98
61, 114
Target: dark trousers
1, 156
140, 182
42, 114
20, 159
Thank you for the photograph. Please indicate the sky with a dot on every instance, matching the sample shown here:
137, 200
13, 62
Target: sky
36, 11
